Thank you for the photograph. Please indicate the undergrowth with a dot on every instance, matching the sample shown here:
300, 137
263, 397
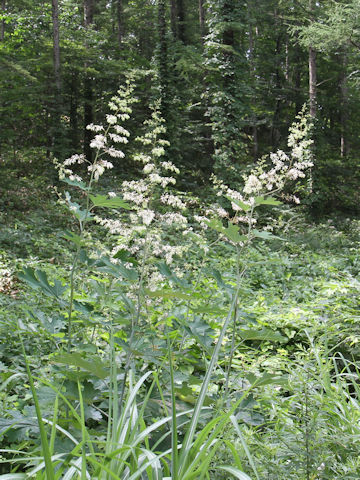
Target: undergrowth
160, 335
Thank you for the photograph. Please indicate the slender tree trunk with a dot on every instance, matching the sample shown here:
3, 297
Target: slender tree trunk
163, 66
275, 134
120, 22
297, 76
181, 20
202, 19
88, 84
57, 130
312, 82
312, 71
253, 78
287, 63
74, 111
344, 148
56, 44
2, 24
173, 18
177, 19
88, 12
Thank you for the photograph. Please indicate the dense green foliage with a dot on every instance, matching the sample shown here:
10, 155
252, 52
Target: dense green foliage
179, 261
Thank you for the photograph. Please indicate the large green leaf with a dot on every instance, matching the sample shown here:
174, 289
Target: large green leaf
267, 379
263, 334
74, 238
201, 330
240, 204
38, 279
215, 224
92, 365
267, 201
232, 233
104, 264
168, 294
166, 272
76, 183
107, 202
75, 208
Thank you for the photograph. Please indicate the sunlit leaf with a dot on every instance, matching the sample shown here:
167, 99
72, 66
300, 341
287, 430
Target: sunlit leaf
109, 202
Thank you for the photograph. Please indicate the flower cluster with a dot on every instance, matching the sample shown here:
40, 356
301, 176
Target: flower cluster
155, 209
104, 143
269, 177
284, 167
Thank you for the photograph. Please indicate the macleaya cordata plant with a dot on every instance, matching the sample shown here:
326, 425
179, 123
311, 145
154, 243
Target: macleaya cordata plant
269, 178
265, 182
156, 211
153, 212
105, 143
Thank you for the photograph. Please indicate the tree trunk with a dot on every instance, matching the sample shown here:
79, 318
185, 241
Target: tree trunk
177, 18
74, 96
120, 22
88, 12
181, 20
2, 24
57, 133
253, 78
275, 133
163, 60
88, 84
56, 44
202, 19
312, 70
173, 17
312, 82
344, 114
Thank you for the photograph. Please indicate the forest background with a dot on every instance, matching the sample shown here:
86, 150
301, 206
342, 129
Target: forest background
218, 340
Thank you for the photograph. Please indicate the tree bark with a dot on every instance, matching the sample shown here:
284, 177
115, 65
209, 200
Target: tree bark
202, 19
253, 77
173, 17
57, 132
120, 22
312, 82
297, 77
88, 12
163, 59
2, 24
74, 96
181, 20
88, 85
177, 18
56, 44
344, 113
312, 70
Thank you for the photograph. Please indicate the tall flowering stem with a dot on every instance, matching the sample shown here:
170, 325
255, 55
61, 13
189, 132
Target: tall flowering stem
105, 143
237, 223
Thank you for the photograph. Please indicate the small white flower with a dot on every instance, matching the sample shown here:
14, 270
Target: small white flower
158, 151
98, 142
113, 152
149, 167
111, 119
147, 216
117, 138
95, 128
252, 185
121, 130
